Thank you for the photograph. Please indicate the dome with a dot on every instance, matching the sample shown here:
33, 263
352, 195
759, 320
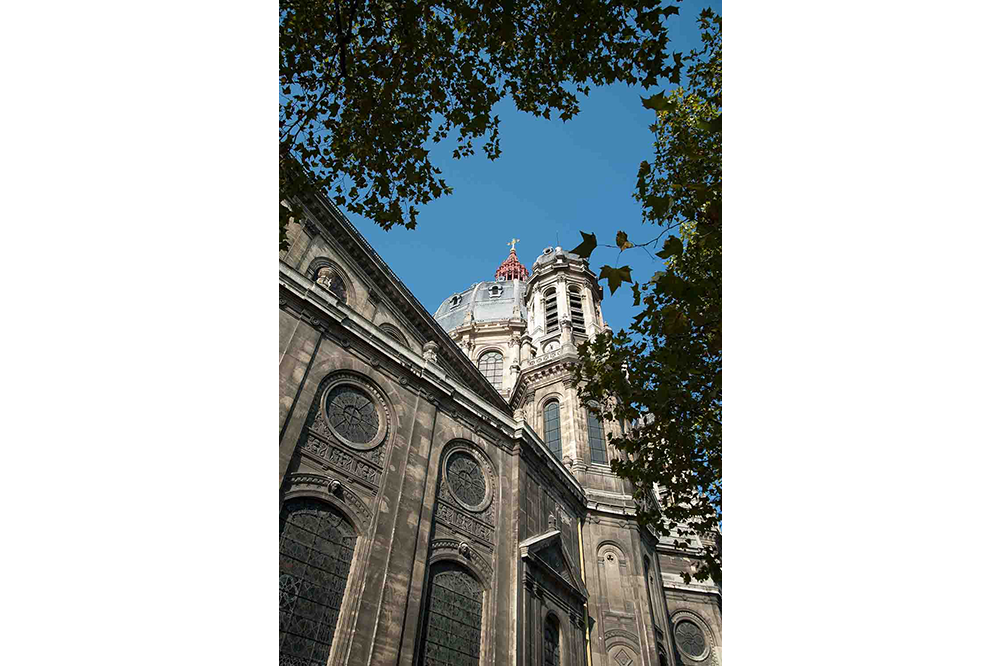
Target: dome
550, 254
487, 301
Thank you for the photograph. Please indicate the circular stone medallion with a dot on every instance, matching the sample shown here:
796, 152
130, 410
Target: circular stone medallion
466, 480
690, 639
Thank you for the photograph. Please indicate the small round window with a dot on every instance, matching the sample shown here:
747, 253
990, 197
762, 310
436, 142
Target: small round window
356, 415
690, 639
467, 480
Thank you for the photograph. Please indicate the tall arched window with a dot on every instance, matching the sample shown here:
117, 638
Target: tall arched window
454, 616
491, 365
551, 311
551, 641
315, 553
552, 429
595, 434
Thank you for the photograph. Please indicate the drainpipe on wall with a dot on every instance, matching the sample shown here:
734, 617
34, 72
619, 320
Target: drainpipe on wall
586, 608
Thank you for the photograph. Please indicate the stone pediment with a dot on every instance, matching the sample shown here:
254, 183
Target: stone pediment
547, 552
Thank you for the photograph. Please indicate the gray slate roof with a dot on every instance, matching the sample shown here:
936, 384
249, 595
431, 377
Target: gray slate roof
484, 304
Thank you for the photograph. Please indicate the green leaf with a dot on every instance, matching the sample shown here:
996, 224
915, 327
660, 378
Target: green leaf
657, 102
659, 206
584, 249
714, 125
671, 247
615, 276
640, 183
622, 241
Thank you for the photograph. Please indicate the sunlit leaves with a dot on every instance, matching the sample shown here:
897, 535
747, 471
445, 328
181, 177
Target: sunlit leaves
664, 374
366, 86
622, 241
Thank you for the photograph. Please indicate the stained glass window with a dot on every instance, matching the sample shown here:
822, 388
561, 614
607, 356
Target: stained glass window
491, 365
551, 641
466, 479
454, 617
352, 414
690, 640
316, 547
595, 433
553, 431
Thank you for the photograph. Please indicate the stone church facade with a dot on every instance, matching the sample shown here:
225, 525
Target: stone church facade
445, 497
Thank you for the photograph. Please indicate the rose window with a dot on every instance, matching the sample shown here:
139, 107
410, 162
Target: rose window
466, 479
690, 639
352, 414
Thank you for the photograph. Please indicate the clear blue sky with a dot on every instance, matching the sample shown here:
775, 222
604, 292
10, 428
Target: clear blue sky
552, 179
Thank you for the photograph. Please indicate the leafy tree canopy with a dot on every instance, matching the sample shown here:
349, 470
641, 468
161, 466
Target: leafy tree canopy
664, 375
365, 84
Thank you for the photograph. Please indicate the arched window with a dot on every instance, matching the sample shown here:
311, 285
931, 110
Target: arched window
552, 429
393, 333
315, 553
551, 311
576, 310
329, 278
491, 365
551, 641
595, 434
454, 616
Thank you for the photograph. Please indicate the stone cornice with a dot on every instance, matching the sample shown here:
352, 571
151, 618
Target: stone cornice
340, 229
555, 362
326, 312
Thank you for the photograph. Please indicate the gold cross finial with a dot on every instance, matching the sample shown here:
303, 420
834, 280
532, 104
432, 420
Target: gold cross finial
513, 242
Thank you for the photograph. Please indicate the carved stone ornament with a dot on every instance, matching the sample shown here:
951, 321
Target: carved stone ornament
335, 486
324, 277
356, 413
465, 549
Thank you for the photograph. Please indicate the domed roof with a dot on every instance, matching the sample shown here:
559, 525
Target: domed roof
487, 301
550, 254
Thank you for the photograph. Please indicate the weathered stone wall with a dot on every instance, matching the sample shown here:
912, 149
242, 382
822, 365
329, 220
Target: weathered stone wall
522, 543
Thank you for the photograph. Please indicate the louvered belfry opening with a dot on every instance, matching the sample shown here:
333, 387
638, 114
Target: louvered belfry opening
551, 311
576, 311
